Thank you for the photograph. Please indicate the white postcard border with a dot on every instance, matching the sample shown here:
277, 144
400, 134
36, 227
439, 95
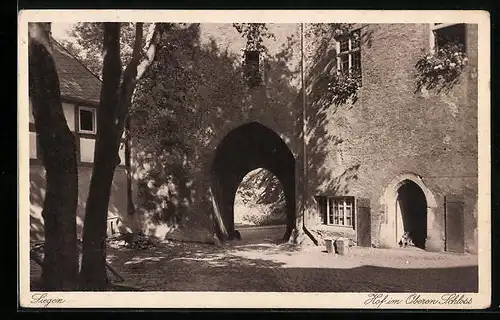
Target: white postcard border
479, 300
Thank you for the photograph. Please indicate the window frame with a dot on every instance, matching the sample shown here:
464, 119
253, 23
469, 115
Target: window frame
435, 27
350, 51
333, 201
94, 119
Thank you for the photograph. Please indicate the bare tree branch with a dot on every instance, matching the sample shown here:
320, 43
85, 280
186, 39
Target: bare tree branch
151, 51
131, 70
136, 69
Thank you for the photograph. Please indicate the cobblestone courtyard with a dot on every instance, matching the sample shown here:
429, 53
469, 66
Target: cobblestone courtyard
263, 265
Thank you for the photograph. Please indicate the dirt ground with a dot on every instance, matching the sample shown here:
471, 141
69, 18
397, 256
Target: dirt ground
259, 263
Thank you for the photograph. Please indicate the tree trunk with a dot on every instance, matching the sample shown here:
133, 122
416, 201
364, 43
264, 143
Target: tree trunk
58, 152
93, 273
115, 100
128, 165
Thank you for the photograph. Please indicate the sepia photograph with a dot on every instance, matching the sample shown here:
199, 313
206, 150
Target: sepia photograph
228, 159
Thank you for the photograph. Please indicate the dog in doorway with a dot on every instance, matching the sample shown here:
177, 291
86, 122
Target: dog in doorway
406, 241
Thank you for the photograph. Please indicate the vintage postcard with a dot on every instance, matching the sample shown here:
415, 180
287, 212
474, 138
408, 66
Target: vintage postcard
254, 159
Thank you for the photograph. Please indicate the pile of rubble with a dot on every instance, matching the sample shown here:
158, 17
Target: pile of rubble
134, 241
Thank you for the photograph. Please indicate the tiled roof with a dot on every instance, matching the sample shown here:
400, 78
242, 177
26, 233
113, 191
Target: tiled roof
76, 81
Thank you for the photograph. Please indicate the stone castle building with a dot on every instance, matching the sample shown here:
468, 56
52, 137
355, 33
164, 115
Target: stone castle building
396, 159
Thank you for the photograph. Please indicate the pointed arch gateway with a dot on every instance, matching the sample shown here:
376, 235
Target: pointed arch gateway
242, 150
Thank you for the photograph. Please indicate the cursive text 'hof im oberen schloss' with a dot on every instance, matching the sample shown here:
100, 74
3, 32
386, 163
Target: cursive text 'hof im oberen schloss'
447, 299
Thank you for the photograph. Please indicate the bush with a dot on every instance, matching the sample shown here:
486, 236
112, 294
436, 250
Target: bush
260, 200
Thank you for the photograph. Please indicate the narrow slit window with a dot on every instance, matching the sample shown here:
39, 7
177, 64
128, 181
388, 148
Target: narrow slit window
253, 67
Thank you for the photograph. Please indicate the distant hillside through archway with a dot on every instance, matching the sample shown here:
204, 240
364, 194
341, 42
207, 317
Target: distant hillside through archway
259, 200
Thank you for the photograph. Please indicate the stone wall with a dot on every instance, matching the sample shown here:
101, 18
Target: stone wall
392, 130
224, 104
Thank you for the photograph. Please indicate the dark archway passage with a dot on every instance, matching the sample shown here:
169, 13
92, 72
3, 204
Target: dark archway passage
412, 213
244, 149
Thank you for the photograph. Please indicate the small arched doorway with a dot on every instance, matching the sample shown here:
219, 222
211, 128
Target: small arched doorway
411, 213
244, 149
409, 206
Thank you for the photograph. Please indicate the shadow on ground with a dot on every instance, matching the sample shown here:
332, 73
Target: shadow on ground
255, 267
274, 266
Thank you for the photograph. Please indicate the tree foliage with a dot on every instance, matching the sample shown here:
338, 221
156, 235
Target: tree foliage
164, 116
255, 34
87, 43
261, 194
255, 51
188, 84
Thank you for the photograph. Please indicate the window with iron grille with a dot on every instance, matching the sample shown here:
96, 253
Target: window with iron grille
337, 211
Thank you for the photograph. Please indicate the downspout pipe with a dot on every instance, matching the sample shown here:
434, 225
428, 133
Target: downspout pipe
304, 131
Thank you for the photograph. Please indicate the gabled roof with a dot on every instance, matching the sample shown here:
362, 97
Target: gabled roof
76, 81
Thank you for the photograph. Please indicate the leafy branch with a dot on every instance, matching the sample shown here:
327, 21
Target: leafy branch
255, 33
343, 86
